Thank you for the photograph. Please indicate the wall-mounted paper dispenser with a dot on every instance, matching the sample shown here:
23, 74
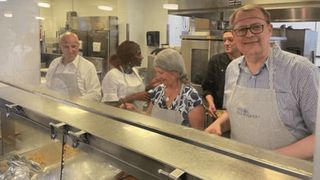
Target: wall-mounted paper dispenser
153, 38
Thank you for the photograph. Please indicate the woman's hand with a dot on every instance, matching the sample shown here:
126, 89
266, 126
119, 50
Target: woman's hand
141, 96
211, 110
153, 83
128, 106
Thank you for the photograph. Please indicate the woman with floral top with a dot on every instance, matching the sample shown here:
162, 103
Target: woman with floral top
174, 100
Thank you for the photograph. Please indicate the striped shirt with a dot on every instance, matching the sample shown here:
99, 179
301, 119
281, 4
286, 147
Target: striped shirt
295, 82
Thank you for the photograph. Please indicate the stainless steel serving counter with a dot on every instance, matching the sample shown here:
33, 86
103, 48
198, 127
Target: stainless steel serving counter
143, 146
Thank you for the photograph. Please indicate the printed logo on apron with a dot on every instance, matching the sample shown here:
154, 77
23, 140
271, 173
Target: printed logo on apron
255, 117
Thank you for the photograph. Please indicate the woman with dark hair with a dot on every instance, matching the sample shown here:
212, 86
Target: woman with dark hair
122, 84
114, 62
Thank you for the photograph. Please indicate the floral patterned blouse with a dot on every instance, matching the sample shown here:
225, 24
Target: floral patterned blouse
184, 102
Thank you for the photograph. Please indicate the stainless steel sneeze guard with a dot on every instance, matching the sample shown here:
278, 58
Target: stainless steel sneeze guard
151, 149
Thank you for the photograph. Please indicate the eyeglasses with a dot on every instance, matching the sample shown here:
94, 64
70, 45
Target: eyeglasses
254, 29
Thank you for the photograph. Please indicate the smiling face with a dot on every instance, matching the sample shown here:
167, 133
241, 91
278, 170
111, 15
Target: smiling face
69, 45
165, 77
252, 44
228, 43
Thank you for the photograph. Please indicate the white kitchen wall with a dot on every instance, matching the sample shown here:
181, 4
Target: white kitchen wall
19, 43
56, 15
141, 15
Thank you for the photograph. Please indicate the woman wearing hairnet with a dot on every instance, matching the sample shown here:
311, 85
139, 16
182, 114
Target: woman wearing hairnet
175, 100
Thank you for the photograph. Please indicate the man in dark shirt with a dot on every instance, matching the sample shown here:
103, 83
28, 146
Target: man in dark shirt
213, 84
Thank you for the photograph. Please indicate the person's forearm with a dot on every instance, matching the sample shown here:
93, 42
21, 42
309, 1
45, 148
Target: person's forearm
209, 99
224, 121
128, 99
196, 117
91, 87
302, 149
115, 104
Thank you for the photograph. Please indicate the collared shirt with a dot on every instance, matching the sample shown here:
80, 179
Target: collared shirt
295, 82
88, 80
115, 84
213, 83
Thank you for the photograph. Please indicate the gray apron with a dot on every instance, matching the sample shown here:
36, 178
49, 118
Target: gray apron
169, 115
254, 116
66, 83
134, 89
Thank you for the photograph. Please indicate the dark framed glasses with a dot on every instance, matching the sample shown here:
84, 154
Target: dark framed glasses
254, 29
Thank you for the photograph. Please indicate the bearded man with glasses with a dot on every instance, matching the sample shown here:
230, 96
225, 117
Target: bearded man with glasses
270, 95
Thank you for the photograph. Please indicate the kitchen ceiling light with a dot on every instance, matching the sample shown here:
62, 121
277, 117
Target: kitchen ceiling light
170, 6
44, 5
8, 15
39, 18
105, 8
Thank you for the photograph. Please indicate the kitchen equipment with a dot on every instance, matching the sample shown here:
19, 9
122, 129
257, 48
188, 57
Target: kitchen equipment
196, 51
302, 42
99, 36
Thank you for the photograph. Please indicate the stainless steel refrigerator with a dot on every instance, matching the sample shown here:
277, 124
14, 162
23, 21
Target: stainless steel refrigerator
99, 37
196, 51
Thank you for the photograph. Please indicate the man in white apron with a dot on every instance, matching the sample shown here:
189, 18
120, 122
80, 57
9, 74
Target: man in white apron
71, 75
270, 95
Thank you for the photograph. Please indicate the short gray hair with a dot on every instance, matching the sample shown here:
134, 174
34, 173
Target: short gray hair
171, 60
68, 33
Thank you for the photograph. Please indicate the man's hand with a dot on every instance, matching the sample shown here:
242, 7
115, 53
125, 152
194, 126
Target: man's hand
214, 128
211, 110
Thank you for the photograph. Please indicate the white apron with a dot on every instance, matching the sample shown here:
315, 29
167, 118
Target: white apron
131, 89
65, 83
169, 115
254, 116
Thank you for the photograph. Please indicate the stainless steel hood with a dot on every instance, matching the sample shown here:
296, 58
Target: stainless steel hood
280, 10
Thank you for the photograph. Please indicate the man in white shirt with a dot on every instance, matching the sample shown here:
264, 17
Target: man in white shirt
71, 74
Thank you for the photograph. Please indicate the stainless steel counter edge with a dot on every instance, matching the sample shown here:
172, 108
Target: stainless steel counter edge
212, 142
228, 150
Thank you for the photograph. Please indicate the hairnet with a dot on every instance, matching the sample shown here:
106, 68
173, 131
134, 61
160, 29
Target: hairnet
171, 60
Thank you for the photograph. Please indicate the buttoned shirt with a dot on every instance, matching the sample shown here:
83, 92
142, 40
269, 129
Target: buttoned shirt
88, 81
213, 83
295, 83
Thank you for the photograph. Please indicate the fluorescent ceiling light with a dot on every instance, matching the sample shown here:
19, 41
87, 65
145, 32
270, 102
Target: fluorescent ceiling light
44, 5
3, 0
170, 6
105, 8
8, 15
40, 18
